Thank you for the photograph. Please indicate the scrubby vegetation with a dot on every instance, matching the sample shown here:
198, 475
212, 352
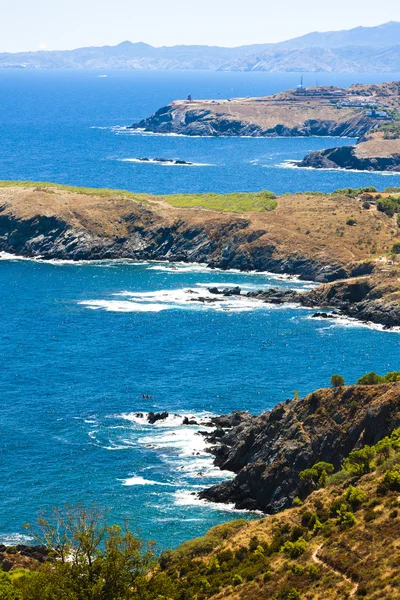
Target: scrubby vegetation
48, 187
236, 202
374, 379
341, 540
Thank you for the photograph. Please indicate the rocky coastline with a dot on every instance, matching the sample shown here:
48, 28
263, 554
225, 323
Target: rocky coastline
268, 452
191, 121
345, 157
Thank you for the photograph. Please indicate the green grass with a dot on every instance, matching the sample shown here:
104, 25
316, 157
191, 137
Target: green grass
50, 187
236, 202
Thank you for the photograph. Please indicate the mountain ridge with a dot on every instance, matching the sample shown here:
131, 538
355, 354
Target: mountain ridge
356, 50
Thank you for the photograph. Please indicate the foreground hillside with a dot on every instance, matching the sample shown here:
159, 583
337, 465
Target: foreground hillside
341, 540
319, 237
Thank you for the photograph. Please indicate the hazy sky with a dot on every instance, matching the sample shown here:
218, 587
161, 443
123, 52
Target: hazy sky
62, 24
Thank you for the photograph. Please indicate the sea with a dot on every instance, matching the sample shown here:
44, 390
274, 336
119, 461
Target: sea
88, 349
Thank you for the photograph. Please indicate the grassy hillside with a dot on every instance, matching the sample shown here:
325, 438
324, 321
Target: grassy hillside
341, 542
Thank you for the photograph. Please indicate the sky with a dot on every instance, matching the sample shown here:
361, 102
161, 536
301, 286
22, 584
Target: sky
66, 24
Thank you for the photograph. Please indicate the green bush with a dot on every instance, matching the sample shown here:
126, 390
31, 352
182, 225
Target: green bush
294, 549
316, 476
396, 248
373, 379
355, 497
390, 481
359, 462
351, 222
7, 589
337, 380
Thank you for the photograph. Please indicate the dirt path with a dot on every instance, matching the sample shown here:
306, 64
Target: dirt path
319, 561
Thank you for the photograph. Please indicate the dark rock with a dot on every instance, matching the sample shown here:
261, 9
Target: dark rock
345, 157
154, 417
6, 565
187, 421
268, 452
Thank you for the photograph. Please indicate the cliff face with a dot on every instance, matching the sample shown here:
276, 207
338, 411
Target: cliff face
268, 452
346, 157
219, 241
256, 118
373, 298
57, 223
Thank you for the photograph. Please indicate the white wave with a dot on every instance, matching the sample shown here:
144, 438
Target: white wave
13, 539
173, 420
343, 321
137, 480
120, 306
294, 164
185, 298
189, 498
166, 163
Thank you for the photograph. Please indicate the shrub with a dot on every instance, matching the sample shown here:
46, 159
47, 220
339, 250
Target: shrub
317, 475
346, 518
355, 497
390, 481
288, 593
237, 580
295, 549
366, 205
359, 462
396, 248
7, 589
370, 379
351, 222
337, 380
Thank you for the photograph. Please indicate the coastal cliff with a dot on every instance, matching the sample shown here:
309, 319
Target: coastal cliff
295, 234
285, 114
319, 111
367, 112
268, 452
373, 153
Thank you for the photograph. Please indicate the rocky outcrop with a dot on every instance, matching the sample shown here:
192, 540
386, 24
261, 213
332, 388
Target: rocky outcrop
267, 452
185, 119
224, 242
345, 157
363, 298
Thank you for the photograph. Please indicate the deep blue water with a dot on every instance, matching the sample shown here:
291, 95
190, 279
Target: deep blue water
81, 344
65, 127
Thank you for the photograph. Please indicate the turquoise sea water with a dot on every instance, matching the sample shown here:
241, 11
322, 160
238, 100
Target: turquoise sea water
81, 344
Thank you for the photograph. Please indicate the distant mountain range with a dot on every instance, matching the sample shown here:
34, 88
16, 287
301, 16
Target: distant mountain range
363, 49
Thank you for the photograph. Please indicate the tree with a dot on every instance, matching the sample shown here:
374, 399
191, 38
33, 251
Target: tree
359, 462
91, 560
370, 379
337, 381
396, 248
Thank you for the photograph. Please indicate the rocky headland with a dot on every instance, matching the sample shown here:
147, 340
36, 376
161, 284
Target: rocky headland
329, 239
268, 452
290, 114
367, 112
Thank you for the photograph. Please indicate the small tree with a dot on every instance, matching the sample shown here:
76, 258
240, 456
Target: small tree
396, 248
359, 462
93, 560
337, 381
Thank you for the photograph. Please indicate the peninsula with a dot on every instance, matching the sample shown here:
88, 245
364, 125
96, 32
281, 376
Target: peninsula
370, 113
348, 241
